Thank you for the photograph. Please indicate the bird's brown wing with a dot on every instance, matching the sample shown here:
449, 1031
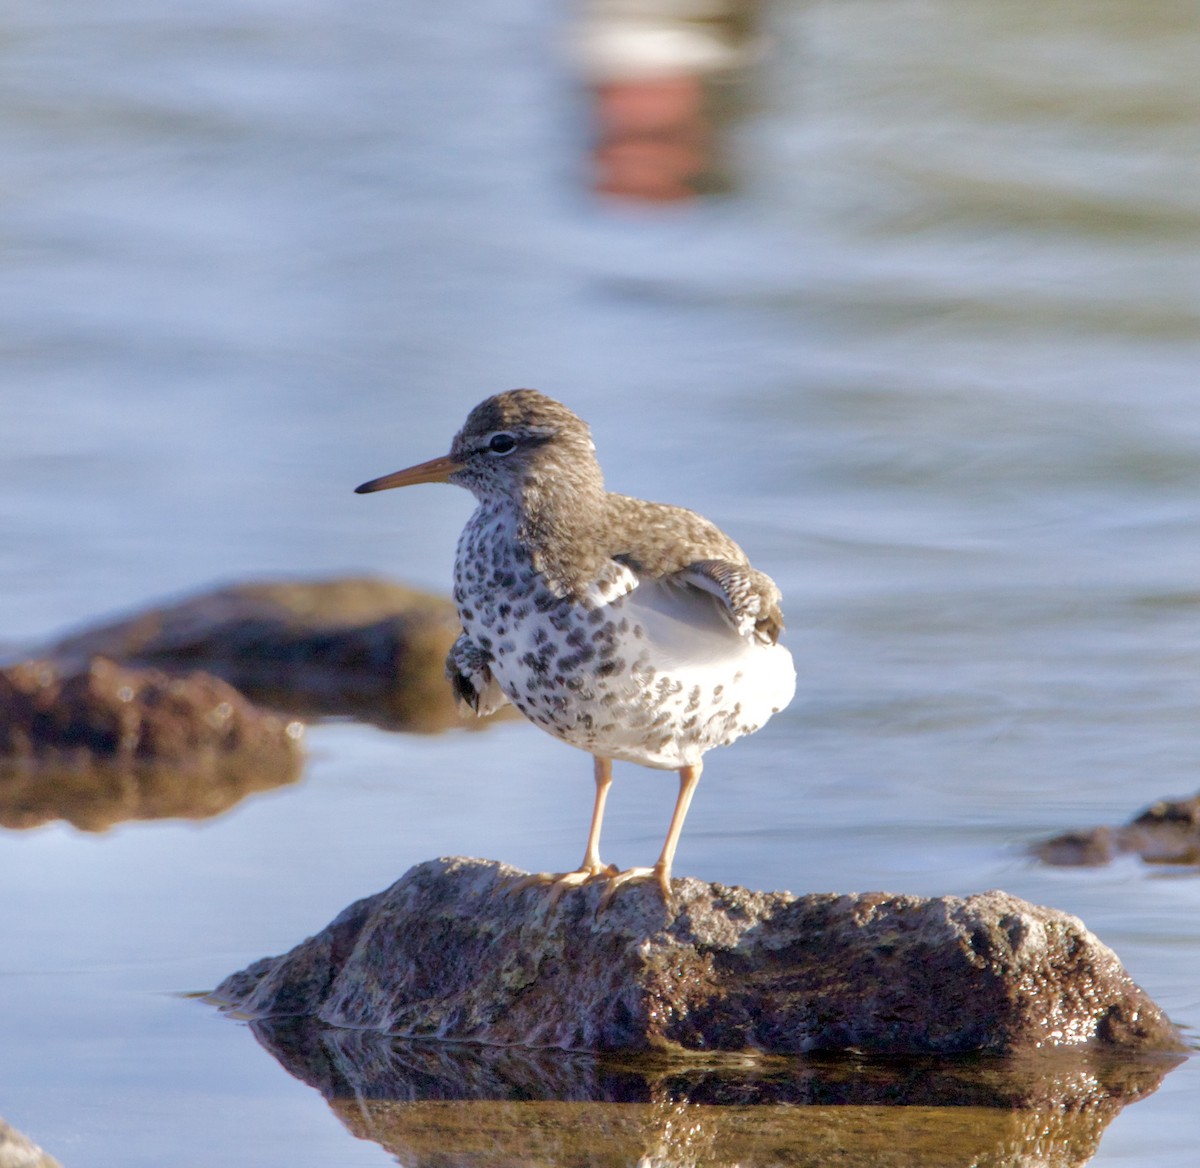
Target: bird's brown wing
657, 540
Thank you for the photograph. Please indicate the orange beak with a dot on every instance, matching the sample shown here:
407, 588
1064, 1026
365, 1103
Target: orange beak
436, 470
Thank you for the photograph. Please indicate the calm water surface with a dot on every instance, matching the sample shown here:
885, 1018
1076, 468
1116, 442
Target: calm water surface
928, 344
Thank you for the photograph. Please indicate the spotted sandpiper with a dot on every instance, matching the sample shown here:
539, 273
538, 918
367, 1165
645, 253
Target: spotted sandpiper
632, 630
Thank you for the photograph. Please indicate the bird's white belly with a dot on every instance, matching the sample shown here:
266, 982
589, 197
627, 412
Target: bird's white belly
657, 676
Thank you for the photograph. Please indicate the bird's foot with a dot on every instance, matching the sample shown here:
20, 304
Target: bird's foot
558, 883
620, 879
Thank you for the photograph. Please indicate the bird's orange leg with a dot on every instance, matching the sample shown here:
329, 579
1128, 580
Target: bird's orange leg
592, 866
689, 777
591, 856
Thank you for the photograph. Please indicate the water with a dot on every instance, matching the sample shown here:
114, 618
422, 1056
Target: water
930, 352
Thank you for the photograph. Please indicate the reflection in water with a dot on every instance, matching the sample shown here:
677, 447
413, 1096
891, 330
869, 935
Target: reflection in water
426, 1101
96, 796
661, 74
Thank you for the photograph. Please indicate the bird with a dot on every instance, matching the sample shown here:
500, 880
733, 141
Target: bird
635, 631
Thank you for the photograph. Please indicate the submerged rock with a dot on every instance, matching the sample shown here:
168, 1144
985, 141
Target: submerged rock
1166, 832
452, 952
361, 648
108, 742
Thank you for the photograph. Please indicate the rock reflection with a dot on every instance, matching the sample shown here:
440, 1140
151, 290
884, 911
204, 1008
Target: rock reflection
431, 1103
663, 75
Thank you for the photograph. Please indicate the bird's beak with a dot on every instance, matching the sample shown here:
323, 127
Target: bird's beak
436, 470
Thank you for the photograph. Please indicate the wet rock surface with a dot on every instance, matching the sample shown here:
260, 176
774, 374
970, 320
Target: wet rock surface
452, 952
109, 742
1166, 832
357, 647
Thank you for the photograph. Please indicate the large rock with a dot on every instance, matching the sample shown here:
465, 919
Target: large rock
362, 648
107, 742
452, 952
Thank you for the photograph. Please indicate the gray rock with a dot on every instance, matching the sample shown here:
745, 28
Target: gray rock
452, 952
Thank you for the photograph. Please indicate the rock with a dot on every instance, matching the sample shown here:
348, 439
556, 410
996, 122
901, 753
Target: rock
361, 648
452, 952
1167, 832
18, 1151
108, 743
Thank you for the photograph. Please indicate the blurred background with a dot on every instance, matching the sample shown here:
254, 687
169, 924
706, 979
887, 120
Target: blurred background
905, 294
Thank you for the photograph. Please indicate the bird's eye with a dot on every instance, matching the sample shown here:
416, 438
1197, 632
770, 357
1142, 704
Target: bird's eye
503, 443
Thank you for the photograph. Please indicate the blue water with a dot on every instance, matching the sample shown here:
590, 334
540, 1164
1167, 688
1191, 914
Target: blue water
931, 357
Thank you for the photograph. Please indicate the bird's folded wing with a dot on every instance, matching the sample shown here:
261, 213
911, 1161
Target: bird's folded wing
750, 597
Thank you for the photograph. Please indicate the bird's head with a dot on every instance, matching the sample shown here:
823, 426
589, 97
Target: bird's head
508, 444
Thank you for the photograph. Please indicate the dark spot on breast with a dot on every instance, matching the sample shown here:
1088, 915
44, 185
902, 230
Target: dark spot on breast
609, 667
